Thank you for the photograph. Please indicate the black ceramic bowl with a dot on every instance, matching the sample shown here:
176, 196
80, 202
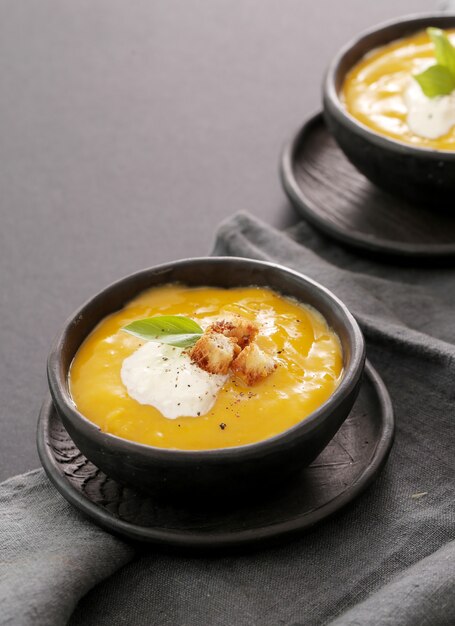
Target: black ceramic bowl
419, 174
228, 471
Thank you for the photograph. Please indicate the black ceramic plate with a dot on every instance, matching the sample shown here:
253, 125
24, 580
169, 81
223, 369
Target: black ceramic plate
333, 196
343, 470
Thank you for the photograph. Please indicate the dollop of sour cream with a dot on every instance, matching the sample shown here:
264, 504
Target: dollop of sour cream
429, 117
165, 377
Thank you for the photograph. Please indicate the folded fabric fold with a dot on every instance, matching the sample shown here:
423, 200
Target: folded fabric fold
421, 595
50, 554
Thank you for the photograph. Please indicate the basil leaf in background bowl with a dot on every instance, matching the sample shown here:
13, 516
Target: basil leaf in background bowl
439, 79
443, 49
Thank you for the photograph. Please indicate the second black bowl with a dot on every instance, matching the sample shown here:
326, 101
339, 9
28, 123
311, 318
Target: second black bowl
224, 472
421, 175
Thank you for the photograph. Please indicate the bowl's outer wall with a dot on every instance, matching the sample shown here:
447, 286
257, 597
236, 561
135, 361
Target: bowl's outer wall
423, 176
188, 475
188, 480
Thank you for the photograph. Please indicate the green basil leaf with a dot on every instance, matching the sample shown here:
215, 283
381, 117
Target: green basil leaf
443, 49
437, 80
174, 330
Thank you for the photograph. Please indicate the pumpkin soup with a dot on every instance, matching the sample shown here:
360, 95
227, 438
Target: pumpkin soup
406, 90
229, 367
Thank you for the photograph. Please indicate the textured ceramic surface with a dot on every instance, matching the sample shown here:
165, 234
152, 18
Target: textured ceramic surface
341, 472
422, 175
330, 193
200, 473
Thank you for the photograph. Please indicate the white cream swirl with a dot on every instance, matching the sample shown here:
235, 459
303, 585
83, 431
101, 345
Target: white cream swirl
165, 377
429, 117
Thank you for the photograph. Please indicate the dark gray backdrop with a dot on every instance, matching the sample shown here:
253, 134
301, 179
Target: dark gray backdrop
128, 131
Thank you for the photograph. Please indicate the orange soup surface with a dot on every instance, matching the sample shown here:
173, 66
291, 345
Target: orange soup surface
307, 352
374, 91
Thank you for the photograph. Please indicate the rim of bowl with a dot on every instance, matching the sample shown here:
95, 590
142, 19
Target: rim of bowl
333, 102
62, 398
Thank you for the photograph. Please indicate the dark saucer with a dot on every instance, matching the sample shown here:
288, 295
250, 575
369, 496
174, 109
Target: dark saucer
341, 472
337, 199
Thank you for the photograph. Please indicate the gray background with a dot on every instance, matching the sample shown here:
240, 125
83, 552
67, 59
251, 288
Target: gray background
129, 129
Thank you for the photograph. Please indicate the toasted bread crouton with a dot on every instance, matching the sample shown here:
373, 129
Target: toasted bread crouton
213, 352
253, 364
239, 328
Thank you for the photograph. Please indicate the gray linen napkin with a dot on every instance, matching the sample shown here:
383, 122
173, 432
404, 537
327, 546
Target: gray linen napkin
387, 559
50, 555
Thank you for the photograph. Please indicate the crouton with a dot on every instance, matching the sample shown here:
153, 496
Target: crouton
213, 352
238, 328
253, 364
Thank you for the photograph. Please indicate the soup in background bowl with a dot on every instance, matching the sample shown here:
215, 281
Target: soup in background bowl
367, 92
382, 93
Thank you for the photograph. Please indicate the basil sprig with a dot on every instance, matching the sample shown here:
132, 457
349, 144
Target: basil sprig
439, 79
175, 330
